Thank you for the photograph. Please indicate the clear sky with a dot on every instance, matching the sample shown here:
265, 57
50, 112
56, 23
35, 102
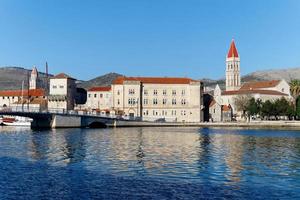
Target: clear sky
86, 38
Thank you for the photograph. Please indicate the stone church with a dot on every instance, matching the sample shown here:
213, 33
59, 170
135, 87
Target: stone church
222, 107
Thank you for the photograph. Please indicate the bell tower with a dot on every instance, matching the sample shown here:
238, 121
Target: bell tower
33, 79
233, 78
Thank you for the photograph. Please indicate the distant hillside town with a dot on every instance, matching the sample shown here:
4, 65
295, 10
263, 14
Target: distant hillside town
168, 99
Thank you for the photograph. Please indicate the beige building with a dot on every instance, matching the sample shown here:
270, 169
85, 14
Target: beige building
99, 98
62, 93
263, 90
158, 99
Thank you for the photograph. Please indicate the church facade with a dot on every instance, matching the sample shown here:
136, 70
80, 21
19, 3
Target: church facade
225, 100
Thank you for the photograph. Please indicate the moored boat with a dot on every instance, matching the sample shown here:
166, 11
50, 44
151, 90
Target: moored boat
16, 121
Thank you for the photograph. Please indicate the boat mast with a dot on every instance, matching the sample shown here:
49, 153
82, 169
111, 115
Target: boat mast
22, 96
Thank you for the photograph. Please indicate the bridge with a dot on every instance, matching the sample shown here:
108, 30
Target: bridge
67, 120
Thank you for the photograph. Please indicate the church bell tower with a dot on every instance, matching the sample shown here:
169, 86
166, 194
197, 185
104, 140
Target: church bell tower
33, 79
233, 78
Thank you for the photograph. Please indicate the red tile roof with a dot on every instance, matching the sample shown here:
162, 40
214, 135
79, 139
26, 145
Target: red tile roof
232, 51
33, 92
259, 84
266, 92
226, 108
62, 76
154, 80
100, 89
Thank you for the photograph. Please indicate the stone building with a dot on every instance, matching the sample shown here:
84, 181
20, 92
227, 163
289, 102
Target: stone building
62, 93
158, 98
99, 98
263, 90
32, 98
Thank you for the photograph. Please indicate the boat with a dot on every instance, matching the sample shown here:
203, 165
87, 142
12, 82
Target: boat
16, 121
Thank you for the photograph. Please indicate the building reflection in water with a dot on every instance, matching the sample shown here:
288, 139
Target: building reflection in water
178, 152
60, 147
145, 150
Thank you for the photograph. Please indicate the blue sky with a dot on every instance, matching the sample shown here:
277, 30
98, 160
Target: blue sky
149, 37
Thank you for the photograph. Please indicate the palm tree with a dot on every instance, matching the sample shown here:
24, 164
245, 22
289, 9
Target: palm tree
295, 90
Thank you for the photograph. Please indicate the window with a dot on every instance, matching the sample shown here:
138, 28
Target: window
145, 101
174, 112
183, 112
131, 91
101, 95
155, 101
131, 101
146, 112
61, 86
145, 92
173, 101
173, 92
118, 92
183, 92
54, 86
164, 101
164, 92
89, 95
282, 90
155, 92
118, 101
95, 95
183, 102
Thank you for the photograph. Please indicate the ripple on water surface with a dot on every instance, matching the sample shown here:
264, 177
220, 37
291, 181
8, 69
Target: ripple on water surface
156, 163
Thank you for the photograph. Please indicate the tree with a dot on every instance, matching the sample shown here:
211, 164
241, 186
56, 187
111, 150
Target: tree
253, 107
241, 102
281, 107
267, 109
295, 90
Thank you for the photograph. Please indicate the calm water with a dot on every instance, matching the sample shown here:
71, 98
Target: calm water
149, 163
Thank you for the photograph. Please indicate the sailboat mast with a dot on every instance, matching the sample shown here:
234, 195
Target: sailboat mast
22, 96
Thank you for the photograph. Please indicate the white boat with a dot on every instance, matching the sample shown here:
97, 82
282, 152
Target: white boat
16, 121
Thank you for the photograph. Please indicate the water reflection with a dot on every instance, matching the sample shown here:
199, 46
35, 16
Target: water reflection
216, 156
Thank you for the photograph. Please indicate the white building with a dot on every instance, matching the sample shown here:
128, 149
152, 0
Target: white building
99, 98
150, 98
264, 90
62, 93
32, 98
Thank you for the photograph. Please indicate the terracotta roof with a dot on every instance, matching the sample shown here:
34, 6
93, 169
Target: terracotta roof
213, 102
267, 92
33, 92
62, 75
100, 89
154, 80
259, 84
232, 51
226, 108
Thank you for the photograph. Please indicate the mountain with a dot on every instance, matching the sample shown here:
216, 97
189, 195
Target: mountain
287, 74
11, 77
104, 80
272, 74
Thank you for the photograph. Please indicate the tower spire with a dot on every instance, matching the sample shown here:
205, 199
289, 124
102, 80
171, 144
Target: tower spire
233, 78
232, 50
